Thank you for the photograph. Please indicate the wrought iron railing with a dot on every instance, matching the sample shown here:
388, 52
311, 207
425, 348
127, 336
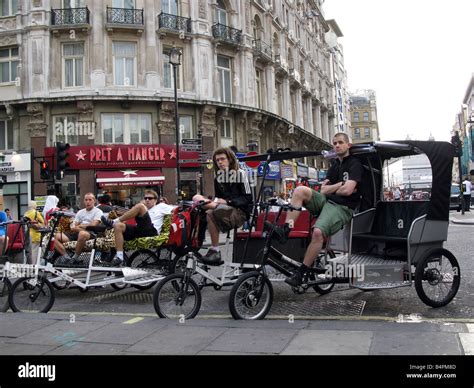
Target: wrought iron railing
68, 16
174, 22
226, 33
262, 47
124, 16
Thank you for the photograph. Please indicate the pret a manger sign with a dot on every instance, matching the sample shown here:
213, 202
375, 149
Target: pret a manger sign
122, 156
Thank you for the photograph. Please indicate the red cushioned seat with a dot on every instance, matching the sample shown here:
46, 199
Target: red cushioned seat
16, 239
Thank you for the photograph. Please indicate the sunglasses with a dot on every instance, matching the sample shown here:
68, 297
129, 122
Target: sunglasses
149, 198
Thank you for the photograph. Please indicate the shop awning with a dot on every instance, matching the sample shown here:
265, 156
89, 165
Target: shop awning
130, 177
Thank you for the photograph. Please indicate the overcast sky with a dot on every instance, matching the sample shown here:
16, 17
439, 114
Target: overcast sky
418, 55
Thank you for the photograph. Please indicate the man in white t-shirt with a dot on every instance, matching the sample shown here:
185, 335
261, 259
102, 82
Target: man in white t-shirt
148, 216
467, 189
89, 216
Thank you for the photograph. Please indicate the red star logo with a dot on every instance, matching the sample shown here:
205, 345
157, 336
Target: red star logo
172, 154
81, 156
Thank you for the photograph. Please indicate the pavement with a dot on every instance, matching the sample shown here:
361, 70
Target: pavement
146, 334
458, 218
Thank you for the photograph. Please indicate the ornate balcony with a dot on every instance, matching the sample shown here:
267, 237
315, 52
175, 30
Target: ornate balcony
70, 18
226, 34
125, 19
262, 50
173, 24
281, 67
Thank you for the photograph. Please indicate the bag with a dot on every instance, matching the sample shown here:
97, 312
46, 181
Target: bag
180, 227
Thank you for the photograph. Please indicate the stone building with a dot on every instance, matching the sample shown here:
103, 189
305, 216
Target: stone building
96, 74
364, 121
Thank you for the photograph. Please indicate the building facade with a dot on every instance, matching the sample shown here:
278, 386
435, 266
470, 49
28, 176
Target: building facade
364, 121
96, 74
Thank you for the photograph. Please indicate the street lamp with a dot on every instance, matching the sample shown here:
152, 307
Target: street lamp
175, 60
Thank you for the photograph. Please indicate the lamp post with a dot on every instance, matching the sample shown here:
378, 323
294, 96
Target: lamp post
175, 60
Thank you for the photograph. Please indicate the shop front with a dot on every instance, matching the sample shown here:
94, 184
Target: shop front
288, 176
124, 172
15, 173
272, 178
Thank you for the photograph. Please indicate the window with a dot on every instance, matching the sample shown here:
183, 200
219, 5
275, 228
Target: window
65, 129
168, 80
8, 7
367, 132
357, 133
170, 6
6, 135
258, 88
9, 61
223, 72
74, 3
73, 64
356, 116
221, 13
225, 129
124, 63
185, 127
366, 116
126, 128
123, 4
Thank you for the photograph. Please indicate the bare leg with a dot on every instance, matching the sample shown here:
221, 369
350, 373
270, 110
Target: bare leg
301, 195
119, 229
59, 238
138, 210
81, 241
315, 246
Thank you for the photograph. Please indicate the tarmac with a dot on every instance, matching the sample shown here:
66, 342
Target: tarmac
467, 218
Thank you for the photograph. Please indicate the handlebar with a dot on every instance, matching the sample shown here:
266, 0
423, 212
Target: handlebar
22, 221
286, 206
62, 214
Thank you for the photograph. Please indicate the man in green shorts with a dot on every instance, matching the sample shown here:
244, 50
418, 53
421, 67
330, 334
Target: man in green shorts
334, 206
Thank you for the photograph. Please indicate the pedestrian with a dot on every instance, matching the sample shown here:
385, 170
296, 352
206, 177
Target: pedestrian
397, 194
467, 188
9, 215
36, 222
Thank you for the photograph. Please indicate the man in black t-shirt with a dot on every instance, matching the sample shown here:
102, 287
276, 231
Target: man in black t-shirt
334, 206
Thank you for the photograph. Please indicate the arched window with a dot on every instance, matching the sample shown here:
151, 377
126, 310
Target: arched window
221, 13
366, 116
276, 44
257, 28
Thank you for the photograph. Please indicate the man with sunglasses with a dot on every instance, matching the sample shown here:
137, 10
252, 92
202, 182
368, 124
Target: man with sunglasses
148, 215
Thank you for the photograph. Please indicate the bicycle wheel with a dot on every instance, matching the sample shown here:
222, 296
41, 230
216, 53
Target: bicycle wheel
31, 294
178, 265
175, 299
5, 287
320, 261
244, 302
119, 285
148, 260
437, 277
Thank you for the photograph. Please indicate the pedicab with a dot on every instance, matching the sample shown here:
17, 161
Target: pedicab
387, 244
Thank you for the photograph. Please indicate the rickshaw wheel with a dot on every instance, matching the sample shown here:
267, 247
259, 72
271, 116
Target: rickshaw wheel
31, 295
323, 289
437, 277
5, 287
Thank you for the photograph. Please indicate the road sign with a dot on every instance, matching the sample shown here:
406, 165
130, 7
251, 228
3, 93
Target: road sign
252, 163
182, 161
191, 141
191, 147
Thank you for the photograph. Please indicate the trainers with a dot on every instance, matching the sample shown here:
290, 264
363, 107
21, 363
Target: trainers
280, 232
295, 280
116, 262
108, 223
212, 257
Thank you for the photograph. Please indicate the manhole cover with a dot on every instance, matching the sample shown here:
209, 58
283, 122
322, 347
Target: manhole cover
318, 308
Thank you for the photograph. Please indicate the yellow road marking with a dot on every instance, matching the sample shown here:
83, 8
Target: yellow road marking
133, 320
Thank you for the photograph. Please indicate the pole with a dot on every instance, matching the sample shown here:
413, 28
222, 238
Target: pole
460, 166
178, 177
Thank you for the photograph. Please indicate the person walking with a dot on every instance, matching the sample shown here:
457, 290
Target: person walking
467, 189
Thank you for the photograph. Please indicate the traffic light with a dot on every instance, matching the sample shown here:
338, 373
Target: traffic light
456, 142
44, 170
61, 159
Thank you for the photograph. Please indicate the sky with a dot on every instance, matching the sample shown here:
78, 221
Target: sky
418, 56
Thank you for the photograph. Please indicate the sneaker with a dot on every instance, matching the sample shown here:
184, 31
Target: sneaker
108, 223
116, 262
281, 233
212, 257
295, 280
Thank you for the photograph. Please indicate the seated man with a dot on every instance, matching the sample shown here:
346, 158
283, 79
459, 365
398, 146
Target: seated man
90, 216
334, 206
232, 204
149, 218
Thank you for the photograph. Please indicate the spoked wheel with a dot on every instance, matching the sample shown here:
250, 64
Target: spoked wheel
119, 285
176, 297
5, 287
178, 265
437, 277
32, 294
146, 259
320, 261
251, 296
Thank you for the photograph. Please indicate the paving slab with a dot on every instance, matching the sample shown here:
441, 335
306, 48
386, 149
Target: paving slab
177, 339
467, 342
59, 333
330, 342
9, 349
388, 343
84, 348
252, 324
242, 340
19, 327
